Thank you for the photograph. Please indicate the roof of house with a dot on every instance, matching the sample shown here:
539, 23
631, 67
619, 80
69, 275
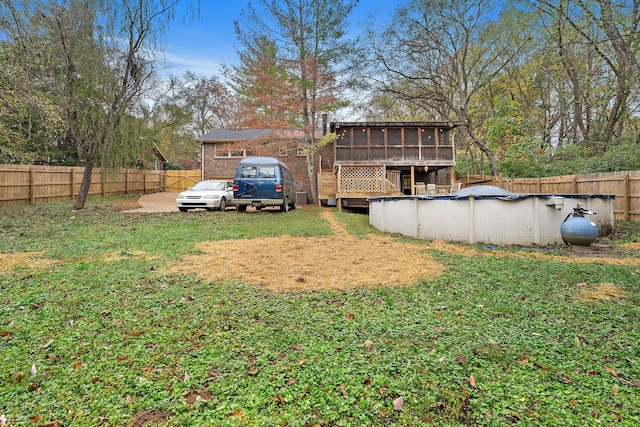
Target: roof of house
445, 124
232, 135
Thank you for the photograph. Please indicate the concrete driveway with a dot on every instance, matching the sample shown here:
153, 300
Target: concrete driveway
156, 202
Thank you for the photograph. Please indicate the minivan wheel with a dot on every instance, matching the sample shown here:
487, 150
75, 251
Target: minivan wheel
223, 204
285, 205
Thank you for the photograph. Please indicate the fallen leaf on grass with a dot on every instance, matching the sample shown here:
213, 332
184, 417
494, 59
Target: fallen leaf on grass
615, 374
398, 403
34, 370
516, 415
368, 344
472, 382
343, 389
461, 359
36, 418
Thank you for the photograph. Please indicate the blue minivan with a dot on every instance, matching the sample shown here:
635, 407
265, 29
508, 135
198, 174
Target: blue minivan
261, 182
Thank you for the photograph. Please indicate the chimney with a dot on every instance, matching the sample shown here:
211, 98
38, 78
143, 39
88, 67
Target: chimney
324, 123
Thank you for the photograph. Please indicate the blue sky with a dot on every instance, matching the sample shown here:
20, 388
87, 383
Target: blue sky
208, 40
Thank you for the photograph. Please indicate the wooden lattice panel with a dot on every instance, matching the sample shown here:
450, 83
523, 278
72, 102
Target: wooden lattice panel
369, 179
327, 184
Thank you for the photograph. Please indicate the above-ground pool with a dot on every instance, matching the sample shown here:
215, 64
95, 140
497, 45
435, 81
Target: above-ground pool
487, 214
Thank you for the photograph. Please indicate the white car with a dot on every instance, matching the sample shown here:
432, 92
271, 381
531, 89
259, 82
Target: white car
209, 194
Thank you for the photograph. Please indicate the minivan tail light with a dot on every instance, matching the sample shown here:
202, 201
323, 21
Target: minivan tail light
279, 188
235, 187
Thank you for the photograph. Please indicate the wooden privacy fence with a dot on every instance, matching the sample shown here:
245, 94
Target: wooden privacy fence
624, 185
25, 185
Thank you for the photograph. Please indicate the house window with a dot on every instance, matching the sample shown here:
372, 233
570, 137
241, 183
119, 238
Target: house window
283, 152
224, 151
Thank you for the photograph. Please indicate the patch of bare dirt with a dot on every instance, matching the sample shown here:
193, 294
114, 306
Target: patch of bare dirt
290, 263
631, 246
150, 417
31, 261
606, 292
118, 256
194, 396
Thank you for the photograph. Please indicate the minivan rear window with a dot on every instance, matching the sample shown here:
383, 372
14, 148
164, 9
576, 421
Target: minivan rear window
267, 172
248, 171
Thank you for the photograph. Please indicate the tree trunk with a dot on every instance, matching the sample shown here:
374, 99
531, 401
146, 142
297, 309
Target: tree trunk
81, 197
313, 182
486, 150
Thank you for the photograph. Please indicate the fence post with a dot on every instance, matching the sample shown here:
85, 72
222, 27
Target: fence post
102, 181
32, 185
626, 202
72, 181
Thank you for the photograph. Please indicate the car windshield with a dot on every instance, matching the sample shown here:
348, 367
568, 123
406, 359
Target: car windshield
209, 185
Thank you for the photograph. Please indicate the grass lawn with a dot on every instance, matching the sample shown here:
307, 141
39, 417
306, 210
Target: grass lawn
97, 330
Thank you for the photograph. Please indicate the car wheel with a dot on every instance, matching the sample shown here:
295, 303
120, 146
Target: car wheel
285, 205
293, 205
223, 204
183, 209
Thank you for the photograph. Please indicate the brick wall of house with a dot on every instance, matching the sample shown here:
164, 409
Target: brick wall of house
217, 167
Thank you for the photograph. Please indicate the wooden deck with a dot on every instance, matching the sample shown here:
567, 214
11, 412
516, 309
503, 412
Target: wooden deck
358, 182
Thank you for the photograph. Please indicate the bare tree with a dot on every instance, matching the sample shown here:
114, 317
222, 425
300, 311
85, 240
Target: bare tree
440, 56
609, 29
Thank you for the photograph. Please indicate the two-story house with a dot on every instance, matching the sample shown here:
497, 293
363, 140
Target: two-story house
367, 159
